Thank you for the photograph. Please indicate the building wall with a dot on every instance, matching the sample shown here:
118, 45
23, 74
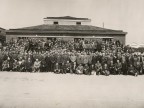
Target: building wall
66, 22
9, 37
121, 38
2, 35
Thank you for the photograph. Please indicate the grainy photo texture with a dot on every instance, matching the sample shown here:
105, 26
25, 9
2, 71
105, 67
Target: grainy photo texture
71, 54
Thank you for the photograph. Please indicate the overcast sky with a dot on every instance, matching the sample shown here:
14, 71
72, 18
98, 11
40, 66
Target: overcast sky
127, 15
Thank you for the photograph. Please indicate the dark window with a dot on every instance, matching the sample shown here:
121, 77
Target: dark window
78, 23
55, 23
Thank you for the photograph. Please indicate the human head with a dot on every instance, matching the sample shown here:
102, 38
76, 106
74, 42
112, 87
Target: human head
29, 59
117, 61
86, 64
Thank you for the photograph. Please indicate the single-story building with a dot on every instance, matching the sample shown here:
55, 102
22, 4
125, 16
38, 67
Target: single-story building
68, 28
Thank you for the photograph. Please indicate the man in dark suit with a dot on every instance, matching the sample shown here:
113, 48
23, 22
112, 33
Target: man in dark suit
118, 67
28, 65
53, 61
48, 62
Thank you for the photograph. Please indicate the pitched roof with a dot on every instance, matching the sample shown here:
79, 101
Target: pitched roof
67, 18
77, 29
61, 27
2, 28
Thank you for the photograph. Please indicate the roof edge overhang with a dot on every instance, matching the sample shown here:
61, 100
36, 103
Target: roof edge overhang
65, 32
2, 28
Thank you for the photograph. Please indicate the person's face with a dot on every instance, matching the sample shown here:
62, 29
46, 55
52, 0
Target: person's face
8, 58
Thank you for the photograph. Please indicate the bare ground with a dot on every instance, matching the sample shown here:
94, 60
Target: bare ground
49, 90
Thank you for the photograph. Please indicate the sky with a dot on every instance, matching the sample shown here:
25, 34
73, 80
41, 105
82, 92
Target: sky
126, 15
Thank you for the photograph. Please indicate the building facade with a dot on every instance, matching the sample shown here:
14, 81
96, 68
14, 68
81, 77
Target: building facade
67, 20
2, 35
68, 28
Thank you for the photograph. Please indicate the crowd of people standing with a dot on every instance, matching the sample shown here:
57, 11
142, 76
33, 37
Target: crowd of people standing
89, 57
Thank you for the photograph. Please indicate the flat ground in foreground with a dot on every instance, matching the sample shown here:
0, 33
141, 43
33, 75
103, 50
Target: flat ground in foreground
49, 90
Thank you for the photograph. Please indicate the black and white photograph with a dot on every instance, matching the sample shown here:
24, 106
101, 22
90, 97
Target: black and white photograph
71, 53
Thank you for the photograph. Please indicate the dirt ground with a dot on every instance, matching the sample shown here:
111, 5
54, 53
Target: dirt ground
49, 90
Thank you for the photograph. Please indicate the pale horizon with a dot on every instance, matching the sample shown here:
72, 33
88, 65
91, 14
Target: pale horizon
126, 15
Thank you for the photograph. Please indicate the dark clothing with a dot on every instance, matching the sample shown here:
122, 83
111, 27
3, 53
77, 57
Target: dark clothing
86, 70
112, 69
48, 63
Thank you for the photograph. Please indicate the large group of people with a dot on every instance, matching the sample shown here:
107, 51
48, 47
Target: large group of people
89, 57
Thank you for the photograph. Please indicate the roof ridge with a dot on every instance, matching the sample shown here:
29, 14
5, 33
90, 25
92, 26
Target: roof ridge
67, 17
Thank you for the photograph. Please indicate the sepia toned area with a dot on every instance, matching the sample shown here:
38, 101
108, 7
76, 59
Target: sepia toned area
49, 90
71, 54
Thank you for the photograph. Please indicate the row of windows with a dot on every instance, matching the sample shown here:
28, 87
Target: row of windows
56, 23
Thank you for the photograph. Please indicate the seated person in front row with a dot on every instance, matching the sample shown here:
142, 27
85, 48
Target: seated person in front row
5, 66
28, 65
21, 64
79, 69
37, 65
15, 65
105, 70
112, 68
138, 67
98, 68
132, 71
92, 69
86, 70
57, 68
142, 68
67, 68
73, 67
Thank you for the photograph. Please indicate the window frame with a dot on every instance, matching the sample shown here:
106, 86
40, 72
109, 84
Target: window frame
55, 23
78, 23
